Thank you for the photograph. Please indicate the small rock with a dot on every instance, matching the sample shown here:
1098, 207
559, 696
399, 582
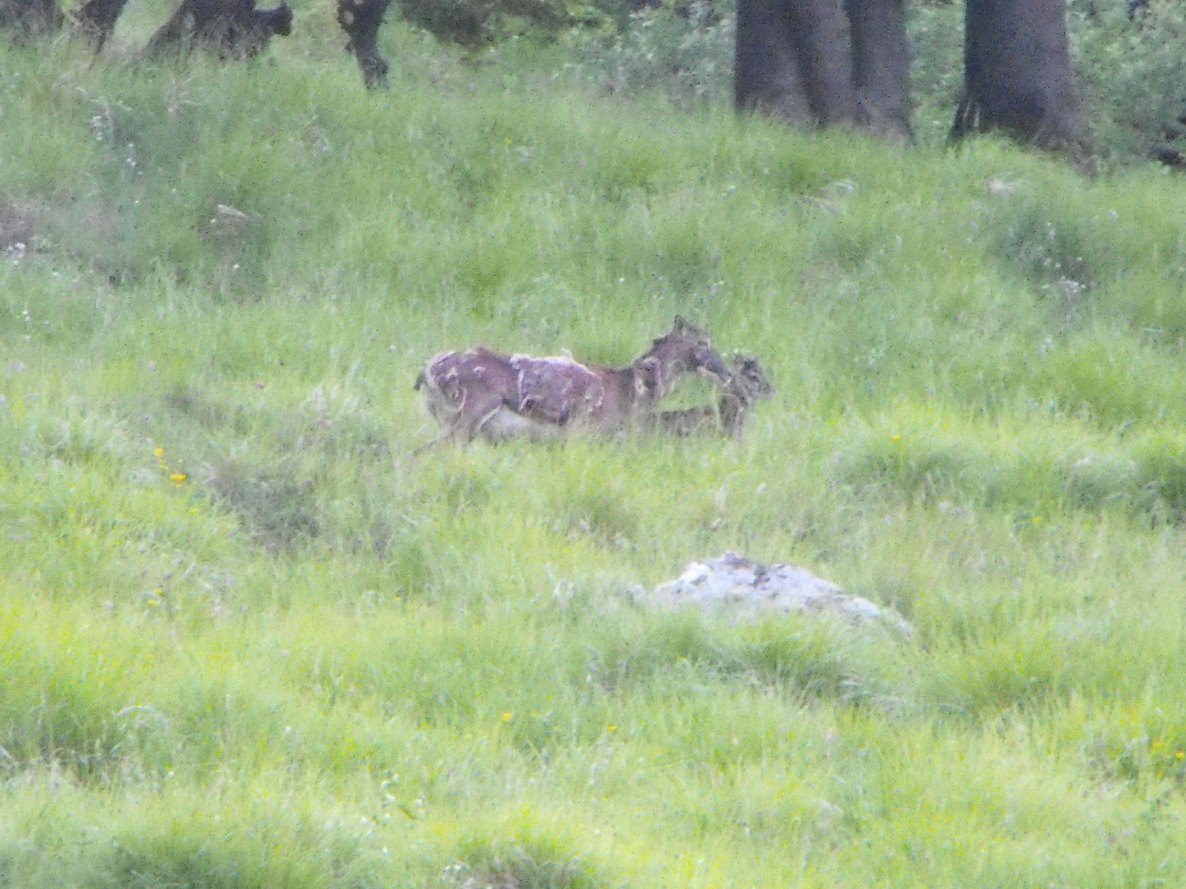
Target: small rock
1000, 187
735, 585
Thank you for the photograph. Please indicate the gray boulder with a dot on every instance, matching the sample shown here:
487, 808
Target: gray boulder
735, 586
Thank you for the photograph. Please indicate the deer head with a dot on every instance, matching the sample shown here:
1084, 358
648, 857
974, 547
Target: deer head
749, 381
686, 348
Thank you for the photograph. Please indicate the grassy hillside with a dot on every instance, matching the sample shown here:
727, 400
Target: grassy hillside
248, 640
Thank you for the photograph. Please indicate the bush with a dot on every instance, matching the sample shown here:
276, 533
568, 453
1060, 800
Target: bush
1132, 77
476, 22
683, 51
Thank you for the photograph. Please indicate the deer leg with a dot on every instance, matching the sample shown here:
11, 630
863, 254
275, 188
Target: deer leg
458, 429
429, 445
469, 421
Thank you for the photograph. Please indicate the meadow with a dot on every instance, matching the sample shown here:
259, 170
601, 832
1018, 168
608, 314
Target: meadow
248, 639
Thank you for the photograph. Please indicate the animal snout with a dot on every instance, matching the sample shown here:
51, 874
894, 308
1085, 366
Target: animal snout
713, 366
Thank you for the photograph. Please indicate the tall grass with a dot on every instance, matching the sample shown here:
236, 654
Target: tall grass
248, 639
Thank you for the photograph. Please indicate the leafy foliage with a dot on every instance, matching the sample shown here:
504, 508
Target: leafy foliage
686, 52
1132, 77
474, 23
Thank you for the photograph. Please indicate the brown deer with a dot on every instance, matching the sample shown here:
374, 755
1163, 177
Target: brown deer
484, 393
748, 383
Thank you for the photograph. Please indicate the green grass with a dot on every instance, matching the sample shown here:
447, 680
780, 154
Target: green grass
248, 639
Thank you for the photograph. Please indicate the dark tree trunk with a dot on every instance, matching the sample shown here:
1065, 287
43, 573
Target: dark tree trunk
361, 19
766, 71
235, 28
30, 18
1017, 73
819, 35
97, 18
881, 65
825, 62
792, 60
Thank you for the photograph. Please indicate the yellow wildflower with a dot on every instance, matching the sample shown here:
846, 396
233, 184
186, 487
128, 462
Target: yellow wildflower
179, 477
506, 717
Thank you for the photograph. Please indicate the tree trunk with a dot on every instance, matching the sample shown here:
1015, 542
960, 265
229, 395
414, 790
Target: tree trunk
97, 18
824, 63
766, 73
881, 65
819, 35
361, 19
1017, 73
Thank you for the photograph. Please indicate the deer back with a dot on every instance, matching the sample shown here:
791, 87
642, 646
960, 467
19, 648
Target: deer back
557, 390
461, 377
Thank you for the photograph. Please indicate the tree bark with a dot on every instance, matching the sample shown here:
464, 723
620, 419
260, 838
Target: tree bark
766, 71
97, 18
821, 63
881, 66
819, 35
361, 20
1017, 74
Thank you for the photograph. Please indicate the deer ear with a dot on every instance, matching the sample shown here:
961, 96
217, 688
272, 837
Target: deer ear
680, 323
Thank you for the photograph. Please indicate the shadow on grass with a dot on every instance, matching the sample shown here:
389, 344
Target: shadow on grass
276, 509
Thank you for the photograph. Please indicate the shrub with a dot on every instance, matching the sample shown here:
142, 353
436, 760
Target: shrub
1132, 77
685, 53
277, 509
475, 22
533, 864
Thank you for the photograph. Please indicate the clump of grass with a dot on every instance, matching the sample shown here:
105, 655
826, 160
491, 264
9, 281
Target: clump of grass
601, 515
194, 405
789, 654
945, 461
62, 697
1014, 674
814, 661
77, 434
1109, 378
1161, 471
529, 862
1052, 246
1144, 745
276, 508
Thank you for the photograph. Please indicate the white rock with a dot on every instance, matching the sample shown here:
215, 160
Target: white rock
736, 586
